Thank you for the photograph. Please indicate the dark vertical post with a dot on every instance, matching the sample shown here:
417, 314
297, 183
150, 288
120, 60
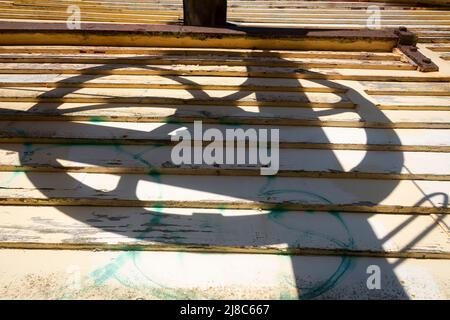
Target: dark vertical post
205, 13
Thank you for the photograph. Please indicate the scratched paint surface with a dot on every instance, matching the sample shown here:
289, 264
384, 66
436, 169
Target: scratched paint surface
178, 275
113, 270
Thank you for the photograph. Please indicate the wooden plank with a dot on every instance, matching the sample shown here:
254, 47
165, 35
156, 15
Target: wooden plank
181, 275
118, 14
208, 61
435, 39
176, 97
118, 17
170, 82
223, 71
406, 119
444, 222
244, 4
233, 192
407, 88
316, 6
279, 4
412, 102
411, 25
116, 112
242, 12
216, 230
112, 51
293, 162
97, 131
188, 113
58, 18
361, 22
439, 47
255, 11
18, 7
179, 36
62, 13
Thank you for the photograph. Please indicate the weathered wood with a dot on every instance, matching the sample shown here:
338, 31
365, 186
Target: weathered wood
188, 113
170, 82
293, 162
262, 13
364, 167
116, 112
113, 51
223, 231
209, 60
186, 36
445, 56
183, 191
213, 276
176, 97
224, 71
407, 88
439, 47
413, 102
97, 131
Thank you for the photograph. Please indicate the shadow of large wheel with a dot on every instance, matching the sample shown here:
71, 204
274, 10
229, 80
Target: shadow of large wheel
266, 191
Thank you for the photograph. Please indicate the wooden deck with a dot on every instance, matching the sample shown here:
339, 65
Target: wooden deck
92, 207
431, 22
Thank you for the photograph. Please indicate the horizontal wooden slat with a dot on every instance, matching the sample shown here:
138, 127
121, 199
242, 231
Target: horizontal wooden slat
181, 36
362, 174
301, 162
187, 113
261, 4
413, 102
209, 60
233, 12
224, 71
223, 230
170, 82
322, 194
182, 275
96, 131
117, 17
113, 51
117, 112
407, 88
439, 47
155, 96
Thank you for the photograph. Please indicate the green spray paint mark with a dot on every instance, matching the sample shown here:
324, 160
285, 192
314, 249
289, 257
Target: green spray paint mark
98, 119
347, 263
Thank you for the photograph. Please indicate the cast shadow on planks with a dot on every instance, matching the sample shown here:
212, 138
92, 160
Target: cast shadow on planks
159, 225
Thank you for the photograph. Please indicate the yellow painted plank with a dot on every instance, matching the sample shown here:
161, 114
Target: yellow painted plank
208, 61
407, 88
112, 51
228, 42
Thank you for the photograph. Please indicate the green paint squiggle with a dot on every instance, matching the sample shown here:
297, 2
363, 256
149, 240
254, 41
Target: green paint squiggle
347, 263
